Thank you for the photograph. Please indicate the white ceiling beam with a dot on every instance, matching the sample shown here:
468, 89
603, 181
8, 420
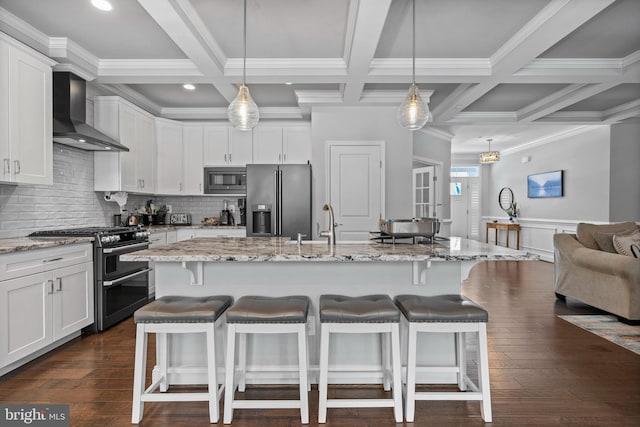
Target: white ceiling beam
369, 24
178, 19
552, 24
622, 112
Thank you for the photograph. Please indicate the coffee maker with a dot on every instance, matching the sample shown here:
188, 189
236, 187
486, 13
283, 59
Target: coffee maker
226, 217
242, 210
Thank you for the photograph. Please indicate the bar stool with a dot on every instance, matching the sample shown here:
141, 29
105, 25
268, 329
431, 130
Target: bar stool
366, 314
447, 314
176, 315
265, 315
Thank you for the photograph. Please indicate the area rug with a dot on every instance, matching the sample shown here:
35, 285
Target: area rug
609, 328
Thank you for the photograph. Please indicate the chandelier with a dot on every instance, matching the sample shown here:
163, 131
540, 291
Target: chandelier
488, 157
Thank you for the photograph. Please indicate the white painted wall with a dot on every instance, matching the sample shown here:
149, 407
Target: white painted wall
363, 124
624, 185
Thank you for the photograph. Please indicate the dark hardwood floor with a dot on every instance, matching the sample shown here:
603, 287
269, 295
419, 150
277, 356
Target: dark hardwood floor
544, 371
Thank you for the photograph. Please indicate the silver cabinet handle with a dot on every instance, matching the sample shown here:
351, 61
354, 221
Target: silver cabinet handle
285, 158
230, 161
50, 283
127, 248
59, 283
52, 259
7, 166
108, 283
200, 187
142, 180
180, 186
225, 158
16, 167
279, 158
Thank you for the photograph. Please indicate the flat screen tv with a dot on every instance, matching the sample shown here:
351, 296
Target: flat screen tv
548, 184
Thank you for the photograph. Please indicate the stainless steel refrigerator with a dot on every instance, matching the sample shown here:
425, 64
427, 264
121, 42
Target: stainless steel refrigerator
279, 200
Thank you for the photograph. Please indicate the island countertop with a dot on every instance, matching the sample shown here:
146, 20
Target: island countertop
276, 249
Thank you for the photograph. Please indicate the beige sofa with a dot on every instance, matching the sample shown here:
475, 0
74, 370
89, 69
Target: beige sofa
605, 280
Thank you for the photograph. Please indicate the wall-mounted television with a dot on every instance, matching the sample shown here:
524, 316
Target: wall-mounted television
548, 184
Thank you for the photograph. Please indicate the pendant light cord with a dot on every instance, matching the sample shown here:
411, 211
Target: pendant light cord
414, 41
244, 41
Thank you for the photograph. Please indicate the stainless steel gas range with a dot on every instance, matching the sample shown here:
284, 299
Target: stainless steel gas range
120, 287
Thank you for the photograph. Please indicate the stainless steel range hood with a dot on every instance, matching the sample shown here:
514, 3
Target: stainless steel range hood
69, 116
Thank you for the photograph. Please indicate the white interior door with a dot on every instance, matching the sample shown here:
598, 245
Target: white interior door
424, 192
465, 207
355, 189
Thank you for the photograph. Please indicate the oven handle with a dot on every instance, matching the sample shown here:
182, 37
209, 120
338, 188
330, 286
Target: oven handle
108, 283
124, 248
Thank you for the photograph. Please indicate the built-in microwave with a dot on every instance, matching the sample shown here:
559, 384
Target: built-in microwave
225, 180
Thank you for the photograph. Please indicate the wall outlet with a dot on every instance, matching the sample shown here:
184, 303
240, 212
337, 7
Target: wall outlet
169, 208
232, 208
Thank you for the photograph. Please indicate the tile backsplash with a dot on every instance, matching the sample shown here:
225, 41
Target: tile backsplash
71, 201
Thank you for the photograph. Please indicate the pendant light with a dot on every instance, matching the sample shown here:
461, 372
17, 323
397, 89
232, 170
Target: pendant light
243, 112
414, 112
488, 157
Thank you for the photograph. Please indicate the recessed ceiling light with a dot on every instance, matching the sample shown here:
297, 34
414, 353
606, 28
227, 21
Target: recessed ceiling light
81, 140
189, 86
102, 5
288, 83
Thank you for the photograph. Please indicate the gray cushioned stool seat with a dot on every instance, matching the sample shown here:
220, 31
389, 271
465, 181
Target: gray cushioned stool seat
259, 309
363, 309
179, 309
441, 308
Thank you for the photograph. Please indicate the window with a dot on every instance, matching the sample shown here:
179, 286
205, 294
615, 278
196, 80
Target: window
465, 171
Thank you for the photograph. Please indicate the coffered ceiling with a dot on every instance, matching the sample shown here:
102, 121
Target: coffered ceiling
514, 71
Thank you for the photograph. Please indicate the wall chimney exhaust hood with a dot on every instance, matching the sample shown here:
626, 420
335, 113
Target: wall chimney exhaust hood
69, 116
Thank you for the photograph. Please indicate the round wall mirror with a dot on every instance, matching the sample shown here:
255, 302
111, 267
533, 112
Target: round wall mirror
505, 198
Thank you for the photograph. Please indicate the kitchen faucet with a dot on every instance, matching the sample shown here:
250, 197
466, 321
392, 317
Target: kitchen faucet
331, 232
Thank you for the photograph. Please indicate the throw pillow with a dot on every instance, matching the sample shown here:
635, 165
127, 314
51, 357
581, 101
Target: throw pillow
584, 231
628, 245
605, 240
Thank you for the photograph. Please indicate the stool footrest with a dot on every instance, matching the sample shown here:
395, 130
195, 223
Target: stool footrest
266, 404
448, 395
360, 403
175, 397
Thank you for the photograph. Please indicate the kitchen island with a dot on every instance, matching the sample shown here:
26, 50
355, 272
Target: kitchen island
278, 267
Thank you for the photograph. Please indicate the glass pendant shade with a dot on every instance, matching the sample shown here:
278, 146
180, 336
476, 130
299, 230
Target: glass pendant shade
243, 113
413, 113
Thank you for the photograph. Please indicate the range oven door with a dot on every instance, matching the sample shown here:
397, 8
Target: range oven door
122, 287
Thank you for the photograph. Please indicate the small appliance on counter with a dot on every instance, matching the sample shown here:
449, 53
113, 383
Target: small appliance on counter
179, 219
226, 217
242, 211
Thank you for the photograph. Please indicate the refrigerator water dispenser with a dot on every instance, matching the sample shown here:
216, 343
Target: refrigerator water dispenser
261, 219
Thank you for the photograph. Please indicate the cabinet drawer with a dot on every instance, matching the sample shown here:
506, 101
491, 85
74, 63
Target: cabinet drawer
36, 261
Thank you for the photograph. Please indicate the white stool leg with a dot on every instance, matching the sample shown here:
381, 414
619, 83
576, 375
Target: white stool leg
483, 373
139, 373
308, 363
242, 362
397, 371
302, 367
230, 363
386, 369
461, 359
161, 356
214, 407
411, 374
324, 367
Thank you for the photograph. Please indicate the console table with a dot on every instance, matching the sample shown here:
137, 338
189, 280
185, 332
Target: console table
508, 227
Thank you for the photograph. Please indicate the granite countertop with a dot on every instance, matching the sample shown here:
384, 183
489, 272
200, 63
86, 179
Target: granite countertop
170, 227
20, 244
260, 249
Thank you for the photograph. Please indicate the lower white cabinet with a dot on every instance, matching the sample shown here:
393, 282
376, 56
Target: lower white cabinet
38, 309
155, 239
192, 233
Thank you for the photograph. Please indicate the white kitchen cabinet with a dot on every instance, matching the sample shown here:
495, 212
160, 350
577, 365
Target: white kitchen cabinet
282, 144
26, 114
188, 233
192, 160
225, 145
169, 147
156, 239
47, 296
132, 171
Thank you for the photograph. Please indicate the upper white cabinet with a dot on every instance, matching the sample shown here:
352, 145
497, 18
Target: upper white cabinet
169, 147
225, 145
132, 171
282, 144
26, 113
192, 160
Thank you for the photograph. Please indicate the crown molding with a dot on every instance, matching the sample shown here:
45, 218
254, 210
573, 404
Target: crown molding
438, 133
72, 68
65, 49
220, 113
549, 139
148, 67
431, 67
287, 66
622, 112
318, 96
23, 32
136, 98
